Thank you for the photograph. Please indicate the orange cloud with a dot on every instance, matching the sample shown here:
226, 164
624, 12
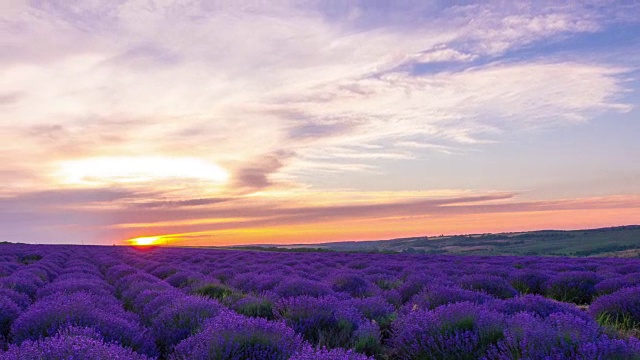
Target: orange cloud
457, 219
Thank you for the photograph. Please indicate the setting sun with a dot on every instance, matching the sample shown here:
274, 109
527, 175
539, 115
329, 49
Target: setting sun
145, 241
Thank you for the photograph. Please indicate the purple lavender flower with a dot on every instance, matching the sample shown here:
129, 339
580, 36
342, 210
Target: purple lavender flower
23, 281
163, 271
561, 336
132, 280
69, 346
298, 287
537, 305
577, 287
6, 268
9, 311
53, 313
22, 300
399, 306
256, 282
94, 286
620, 309
455, 331
150, 305
413, 285
376, 309
329, 322
611, 285
489, 284
181, 318
529, 281
216, 291
119, 271
610, 349
185, 279
437, 295
386, 281
230, 336
309, 353
254, 307
132, 297
393, 297
352, 284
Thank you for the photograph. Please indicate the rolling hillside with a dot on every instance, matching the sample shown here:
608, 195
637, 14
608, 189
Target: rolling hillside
623, 241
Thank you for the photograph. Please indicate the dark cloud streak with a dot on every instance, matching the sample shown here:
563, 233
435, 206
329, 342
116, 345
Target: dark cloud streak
294, 215
256, 174
181, 203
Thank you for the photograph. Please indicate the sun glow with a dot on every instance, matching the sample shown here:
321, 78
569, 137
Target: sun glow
145, 241
125, 169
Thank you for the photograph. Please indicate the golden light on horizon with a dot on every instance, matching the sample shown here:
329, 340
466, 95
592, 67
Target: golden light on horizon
145, 241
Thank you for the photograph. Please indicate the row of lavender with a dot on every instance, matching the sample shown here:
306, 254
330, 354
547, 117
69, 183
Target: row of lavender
120, 303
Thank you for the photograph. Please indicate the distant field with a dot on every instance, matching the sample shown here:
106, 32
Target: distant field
623, 241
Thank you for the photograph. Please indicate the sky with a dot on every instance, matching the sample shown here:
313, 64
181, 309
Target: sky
214, 123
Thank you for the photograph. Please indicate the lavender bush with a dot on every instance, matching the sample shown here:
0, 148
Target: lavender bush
620, 309
456, 331
67, 346
329, 322
577, 287
489, 284
230, 336
181, 318
9, 311
561, 336
309, 353
56, 312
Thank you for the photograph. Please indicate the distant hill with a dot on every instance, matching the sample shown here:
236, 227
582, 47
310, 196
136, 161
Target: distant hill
621, 241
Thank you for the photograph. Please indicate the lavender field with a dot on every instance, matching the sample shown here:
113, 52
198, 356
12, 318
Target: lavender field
75, 302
